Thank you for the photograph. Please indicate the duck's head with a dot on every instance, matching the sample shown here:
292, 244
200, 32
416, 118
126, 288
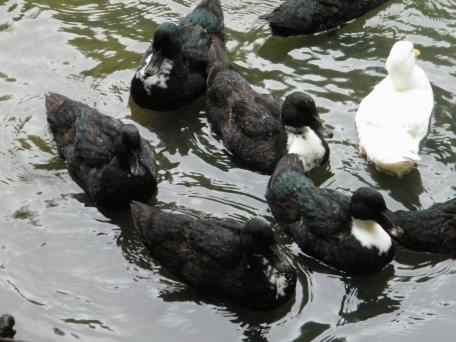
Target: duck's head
129, 151
270, 279
7, 326
369, 204
299, 110
400, 64
167, 42
371, 219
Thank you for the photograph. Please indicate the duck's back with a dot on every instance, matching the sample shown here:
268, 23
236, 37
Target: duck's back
193, 241
293, 197
81, 131
431, 230
311, 16
249, 123
391, 123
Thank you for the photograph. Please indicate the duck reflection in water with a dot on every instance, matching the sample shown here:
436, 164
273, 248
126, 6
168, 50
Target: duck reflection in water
406, 190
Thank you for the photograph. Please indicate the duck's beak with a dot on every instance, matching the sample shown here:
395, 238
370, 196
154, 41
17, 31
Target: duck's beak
416, 52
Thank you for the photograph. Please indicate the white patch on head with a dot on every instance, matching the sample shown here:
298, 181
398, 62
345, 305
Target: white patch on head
370, 234
159, 77
307, 145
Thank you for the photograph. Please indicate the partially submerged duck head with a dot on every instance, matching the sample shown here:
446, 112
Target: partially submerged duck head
130, 152
7, 326
400, 65
371, 219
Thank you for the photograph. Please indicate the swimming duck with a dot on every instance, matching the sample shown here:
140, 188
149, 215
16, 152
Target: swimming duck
219, 256
393, 119
295, 17
7, 326
173, 72
430, 230
107, 158
345, 232
254, 127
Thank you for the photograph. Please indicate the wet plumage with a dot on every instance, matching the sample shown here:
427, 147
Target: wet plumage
295, 17
429, 230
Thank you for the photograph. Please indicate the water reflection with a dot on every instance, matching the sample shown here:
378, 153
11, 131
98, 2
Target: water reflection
406, 190
367, 297
91, 268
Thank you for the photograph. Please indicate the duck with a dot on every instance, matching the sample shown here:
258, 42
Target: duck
348, 233
295, 17
107, 158
221, 257
174, 68
394, 117
7, 326
256, 128
427, 230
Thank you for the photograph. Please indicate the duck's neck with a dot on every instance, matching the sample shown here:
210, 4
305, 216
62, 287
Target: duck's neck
403, 80
370, 234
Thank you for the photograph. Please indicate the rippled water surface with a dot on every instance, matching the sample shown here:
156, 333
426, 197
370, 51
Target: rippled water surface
69, 272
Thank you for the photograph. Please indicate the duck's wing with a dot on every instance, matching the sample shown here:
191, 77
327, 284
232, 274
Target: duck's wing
272, 104
256, 122
96, 138
172, 235
325, 212
293, 197
432, 229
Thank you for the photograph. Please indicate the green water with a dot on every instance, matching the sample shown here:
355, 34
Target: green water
69, 272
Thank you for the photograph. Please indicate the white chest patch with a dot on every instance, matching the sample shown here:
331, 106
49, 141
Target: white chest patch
308, 146
371, 234
276, 279
158, 77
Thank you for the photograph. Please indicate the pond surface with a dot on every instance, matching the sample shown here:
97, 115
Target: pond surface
69, 272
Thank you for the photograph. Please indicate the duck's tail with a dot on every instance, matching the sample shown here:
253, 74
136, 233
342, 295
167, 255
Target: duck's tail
392, 160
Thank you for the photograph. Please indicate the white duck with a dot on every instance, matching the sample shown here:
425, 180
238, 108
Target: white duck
393, 119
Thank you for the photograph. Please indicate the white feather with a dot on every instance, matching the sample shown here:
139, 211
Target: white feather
393, 119
307, 145
371, 234
159, 78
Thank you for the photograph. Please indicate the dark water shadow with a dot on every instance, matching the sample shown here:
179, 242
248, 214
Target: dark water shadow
175, 129
418, 259
406, 190
367, 296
